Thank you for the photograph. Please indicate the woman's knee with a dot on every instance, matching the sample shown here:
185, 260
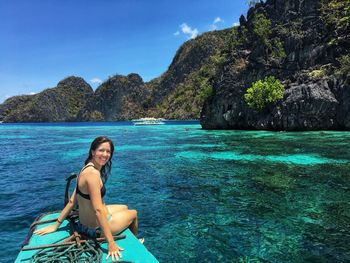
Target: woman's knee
133, 213
121, 207
124, 207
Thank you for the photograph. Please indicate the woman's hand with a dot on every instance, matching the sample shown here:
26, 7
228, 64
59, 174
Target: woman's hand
46, 230
114, 251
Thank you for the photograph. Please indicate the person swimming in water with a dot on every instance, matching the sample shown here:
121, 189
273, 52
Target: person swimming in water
96, 219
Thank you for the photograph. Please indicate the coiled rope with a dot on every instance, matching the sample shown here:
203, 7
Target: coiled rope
88, 252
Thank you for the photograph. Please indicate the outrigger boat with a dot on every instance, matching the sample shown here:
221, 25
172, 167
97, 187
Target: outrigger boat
67, 245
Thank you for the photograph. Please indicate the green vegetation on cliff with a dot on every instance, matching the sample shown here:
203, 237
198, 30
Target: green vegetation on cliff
344, 67
336, 15
264, 92
188, 97
262, 28
118, 98
62, 103
181, 91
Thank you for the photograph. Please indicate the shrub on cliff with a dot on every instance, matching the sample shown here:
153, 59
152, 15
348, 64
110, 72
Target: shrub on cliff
336, 15
262, 28
264, 92
206, 90
344, 67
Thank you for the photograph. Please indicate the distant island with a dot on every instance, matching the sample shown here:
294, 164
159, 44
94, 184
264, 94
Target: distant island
303, 45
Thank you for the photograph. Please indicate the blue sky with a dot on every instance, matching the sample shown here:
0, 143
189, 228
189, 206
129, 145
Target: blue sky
44, 41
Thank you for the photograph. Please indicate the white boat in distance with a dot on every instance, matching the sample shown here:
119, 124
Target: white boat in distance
148, 121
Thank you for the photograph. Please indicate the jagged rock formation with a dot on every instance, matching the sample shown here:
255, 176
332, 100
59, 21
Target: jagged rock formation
119, 98
303, 45
58, 104
178, 94
174, 95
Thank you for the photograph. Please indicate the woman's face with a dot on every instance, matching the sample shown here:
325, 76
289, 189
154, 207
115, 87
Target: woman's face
102, 154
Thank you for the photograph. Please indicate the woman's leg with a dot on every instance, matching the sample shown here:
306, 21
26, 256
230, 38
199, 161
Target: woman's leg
124, 219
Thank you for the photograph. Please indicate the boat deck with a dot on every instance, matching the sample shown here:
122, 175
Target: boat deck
133, 251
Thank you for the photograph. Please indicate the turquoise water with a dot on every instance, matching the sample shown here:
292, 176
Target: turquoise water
202, 196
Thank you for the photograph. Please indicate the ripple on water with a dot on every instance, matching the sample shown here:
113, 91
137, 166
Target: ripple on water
299, 159
72, 141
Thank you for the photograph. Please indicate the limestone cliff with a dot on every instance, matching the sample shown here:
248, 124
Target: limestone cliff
58, 104
119, 98
303, 43
179, 93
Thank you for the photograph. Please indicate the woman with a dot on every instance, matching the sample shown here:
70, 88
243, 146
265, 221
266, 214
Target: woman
94, 215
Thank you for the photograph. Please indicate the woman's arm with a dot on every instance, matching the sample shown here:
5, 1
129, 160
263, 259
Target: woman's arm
64, 213
94, 188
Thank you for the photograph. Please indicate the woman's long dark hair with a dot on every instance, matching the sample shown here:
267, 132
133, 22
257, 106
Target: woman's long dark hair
106, 169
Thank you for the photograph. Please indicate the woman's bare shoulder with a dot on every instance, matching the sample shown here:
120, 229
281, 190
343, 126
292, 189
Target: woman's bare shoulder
90, 173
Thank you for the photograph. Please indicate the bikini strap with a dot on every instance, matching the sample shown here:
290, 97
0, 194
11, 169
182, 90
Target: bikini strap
86, 196
86, 166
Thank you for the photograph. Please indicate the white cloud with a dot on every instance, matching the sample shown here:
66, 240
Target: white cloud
96, 81
177, 33
7, 96
214, 26
32, 93
187, 30
235, 24
218, 20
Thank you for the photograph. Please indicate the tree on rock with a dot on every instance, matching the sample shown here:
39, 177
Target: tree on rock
264, 92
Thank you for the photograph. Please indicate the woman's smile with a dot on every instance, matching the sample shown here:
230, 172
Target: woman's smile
102, 154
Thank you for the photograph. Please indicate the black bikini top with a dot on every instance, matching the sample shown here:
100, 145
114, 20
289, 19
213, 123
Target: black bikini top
86, 196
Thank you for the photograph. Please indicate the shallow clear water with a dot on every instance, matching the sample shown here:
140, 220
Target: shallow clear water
202, 196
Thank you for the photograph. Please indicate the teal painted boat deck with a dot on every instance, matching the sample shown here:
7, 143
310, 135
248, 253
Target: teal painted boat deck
133, 251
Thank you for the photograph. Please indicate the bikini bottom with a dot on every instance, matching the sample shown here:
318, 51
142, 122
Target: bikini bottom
91, 232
